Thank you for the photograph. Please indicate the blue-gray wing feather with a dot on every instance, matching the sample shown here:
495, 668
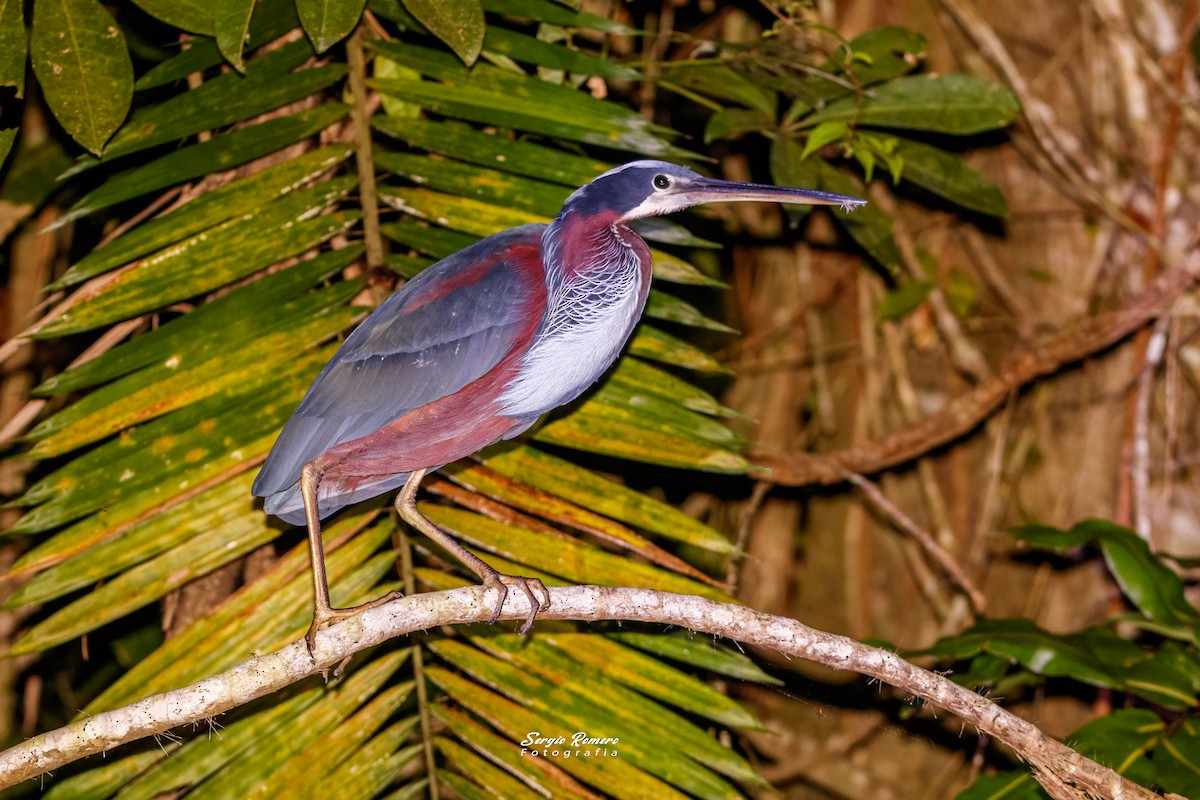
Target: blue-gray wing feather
409, 352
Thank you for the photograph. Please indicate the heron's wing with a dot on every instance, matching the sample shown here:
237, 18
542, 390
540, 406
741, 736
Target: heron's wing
442, 330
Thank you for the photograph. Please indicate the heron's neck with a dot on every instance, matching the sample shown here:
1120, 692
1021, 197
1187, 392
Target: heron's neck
578, 248
597, 281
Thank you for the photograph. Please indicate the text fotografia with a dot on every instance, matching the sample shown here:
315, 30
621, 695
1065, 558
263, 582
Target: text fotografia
578, 745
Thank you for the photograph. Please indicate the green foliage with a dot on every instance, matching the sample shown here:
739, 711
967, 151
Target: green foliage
1159, 750
853, 107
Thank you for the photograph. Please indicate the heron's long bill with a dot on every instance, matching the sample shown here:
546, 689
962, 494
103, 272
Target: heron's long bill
711, 190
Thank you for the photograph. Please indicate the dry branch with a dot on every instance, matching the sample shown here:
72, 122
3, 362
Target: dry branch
1064, 772
1083, 339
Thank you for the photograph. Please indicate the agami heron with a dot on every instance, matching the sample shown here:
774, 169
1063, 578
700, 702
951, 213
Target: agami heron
473, 350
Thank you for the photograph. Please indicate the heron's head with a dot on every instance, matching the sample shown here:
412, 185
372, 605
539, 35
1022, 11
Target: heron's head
650, 188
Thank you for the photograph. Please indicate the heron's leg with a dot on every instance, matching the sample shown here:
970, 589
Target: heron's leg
406, 504
323, 612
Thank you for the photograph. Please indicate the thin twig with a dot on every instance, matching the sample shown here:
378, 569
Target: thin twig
1156, 347
935, 551
745, 525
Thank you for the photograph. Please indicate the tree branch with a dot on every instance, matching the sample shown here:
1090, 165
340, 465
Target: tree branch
1082, 339
1062, 771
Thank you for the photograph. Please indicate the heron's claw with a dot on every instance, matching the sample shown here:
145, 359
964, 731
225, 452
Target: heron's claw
501, 583
325, 616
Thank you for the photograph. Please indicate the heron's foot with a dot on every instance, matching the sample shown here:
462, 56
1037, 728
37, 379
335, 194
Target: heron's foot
325, 616
499, 582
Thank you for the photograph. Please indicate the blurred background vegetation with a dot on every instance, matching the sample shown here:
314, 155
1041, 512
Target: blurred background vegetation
189, 223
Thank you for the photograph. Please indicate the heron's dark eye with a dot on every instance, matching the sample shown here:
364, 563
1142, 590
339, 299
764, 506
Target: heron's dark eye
661, 181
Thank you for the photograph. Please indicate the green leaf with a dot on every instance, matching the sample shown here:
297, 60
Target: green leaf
182, 449
621, 432
728, 123
570, 560
558, 14
486, 482
1082, 658
955, 104
499, 783
1095, 656
102, 782
7, 137
1169, 676
231, 537
654, 410
1010, 785
530, 50
606, 683
207, 211
614, 776
204, 756
29, 181
284, 228
83, 67
231, 26
878, 55
661, 305
384, 67
881, 54
571, 706
490, 95
697, 650
270, 20
651, 677
219, 153
191, 15
718, 80
327, 22
1150, 584
289, 750
242, 315
789, 167
226, 99
538, 774
1177, 760
538, 198
590, 490
639, 377
150, 394
903, 300
1123, 740
463, 214
948, 176
649, 342
459, 24
868, 225
822, 135
372, 768
322, 756
508, 155
12, 47
84, 565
